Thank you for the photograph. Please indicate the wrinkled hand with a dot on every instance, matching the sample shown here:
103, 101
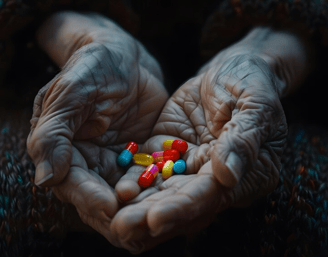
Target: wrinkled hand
231, 116
107, 94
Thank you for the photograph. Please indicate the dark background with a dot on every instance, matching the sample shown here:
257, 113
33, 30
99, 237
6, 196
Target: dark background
172, 36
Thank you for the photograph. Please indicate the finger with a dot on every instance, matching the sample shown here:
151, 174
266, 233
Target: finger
37, 105
37, 110
127, 188
258, 181
94, 200
162, 190
199, 196
49, 145
237, 148
188, 229
129, 229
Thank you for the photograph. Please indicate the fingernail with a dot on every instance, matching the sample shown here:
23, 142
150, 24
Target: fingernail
235, 166
43, 173
163, 230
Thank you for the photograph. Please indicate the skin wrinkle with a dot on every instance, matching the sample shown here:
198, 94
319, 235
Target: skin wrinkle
245, 189
198, 105
80, 41
247, 146
200, 157
258, 175
251, 184
180, 119
273, 153
95, 71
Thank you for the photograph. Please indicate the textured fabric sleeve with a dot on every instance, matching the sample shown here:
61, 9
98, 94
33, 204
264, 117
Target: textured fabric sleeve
32, 219
233, 18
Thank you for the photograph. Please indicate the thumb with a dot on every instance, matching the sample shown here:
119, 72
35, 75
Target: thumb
237, 147
49, 145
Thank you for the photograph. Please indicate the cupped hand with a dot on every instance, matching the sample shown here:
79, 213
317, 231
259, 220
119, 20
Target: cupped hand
231, 116
109, 92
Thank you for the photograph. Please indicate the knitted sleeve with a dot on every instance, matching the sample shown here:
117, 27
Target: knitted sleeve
32, 219
233, 18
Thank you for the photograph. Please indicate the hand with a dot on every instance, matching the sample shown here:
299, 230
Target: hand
108, 93
233, 121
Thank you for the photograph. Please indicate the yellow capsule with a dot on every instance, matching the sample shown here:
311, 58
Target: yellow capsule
167, 169
167, 144
143, 159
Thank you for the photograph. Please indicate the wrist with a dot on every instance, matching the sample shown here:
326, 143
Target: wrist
287, 54
62, 34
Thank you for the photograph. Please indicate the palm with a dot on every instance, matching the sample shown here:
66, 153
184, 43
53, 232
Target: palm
133, 119
208, 111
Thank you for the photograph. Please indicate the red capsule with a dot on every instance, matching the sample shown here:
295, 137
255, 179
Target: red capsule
180, 145
148, 176
171, 154
166, 155
160, 165
132, 147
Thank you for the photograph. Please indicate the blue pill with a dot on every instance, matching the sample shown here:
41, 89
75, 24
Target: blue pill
179, 166
124, 158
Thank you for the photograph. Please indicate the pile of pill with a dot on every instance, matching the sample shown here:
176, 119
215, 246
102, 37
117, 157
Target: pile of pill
166, 161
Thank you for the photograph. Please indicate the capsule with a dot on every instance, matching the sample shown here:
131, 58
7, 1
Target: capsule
160, 165
148, 176
132, 147
143, 159
167, 169
126, 155
167, 145
179, 166
179, 145
166, 155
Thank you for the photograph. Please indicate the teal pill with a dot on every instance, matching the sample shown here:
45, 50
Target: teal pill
124, 158
179, 166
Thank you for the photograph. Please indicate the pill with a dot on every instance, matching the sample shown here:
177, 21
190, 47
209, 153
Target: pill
132, 147
167, 169
179, 145
124, 158
179, 166
166, 155
143, 159
126, 155
148, 176
167, 144
158, 156
160, 165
